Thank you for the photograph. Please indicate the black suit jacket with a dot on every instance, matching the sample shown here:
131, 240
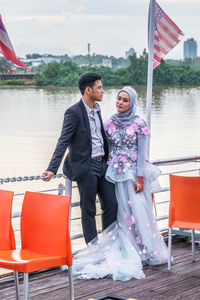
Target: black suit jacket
76, 136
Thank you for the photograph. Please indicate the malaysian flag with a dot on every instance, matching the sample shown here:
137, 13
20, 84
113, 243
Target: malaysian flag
6, 47
166, 35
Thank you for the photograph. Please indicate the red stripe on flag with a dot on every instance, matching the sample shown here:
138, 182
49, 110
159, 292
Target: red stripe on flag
156, 37
168, 32
165, 41
173, 24
11, 55
155, 64
157, 47
160, 49
157, 57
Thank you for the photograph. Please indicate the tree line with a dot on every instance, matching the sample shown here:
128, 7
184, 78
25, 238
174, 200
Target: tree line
66, 73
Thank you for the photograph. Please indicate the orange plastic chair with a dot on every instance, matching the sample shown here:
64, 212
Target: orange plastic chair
44, 235
184, 209
7, 238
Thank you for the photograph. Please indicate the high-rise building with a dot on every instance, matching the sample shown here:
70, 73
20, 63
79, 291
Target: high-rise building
131, 51
190, 49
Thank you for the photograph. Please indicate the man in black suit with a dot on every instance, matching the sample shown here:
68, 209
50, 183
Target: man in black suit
83, 134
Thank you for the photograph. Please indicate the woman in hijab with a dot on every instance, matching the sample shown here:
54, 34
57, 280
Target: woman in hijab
134, 240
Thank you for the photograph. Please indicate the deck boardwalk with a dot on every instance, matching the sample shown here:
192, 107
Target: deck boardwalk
182, 282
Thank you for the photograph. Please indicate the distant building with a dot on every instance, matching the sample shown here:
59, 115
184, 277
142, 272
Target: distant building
131, 51
190, 49
34, 62
107, 62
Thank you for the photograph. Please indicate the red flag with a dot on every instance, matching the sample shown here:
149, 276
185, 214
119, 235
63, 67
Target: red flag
166, 35
6, 47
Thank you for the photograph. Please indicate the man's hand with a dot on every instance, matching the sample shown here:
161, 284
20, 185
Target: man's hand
139, 184
48, 175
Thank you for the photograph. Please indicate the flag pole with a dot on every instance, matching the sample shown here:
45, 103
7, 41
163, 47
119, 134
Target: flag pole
150, 68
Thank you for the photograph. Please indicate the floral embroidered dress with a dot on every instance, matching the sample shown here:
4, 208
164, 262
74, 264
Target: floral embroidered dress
134, 239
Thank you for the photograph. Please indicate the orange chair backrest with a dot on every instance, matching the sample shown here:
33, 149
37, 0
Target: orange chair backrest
45, 224
184, 209
7, 239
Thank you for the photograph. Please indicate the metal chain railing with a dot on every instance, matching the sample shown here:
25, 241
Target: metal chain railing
27, 178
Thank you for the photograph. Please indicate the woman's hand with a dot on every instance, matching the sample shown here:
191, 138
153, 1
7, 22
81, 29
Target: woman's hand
139, 184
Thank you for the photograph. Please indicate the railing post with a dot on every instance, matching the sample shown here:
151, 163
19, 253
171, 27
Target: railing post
60, 189
68, 187
68, 192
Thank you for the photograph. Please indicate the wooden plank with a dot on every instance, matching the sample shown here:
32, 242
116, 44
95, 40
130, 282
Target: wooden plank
182, 282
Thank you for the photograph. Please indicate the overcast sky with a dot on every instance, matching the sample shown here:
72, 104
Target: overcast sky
110, 26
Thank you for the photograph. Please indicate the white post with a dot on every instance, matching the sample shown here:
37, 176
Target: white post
193, 245
150, 68
68, 192
169, 247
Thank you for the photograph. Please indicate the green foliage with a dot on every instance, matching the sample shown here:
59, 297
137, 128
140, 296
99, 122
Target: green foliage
34, 55
62, 74
193, 63
66, 73
5, 65
12, 82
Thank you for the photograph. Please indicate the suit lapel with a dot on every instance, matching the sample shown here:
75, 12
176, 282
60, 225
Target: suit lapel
103, 134
86, 120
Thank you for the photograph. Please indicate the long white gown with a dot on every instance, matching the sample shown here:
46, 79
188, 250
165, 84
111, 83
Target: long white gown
134, 240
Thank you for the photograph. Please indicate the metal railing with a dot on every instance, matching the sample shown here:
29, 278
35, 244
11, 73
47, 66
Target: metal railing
66, 187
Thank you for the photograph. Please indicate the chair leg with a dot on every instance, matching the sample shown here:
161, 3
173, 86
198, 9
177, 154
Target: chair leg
71, 284
16, 279
193, 245
169, 247
26, 287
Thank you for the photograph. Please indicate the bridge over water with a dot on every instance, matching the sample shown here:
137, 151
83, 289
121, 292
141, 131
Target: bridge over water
16, 76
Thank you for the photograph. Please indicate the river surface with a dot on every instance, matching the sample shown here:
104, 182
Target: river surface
31, 120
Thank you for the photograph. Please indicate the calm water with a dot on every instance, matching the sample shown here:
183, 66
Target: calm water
31, 120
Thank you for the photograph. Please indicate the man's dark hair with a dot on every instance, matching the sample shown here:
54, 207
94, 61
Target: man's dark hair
87, 79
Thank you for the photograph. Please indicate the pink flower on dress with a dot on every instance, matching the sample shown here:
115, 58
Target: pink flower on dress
103, 259
155, 253
115, 159
129, 222
139, 121
130, 131
138, 240
153, 222
123, 158
94, 248
134, 156
133, 219
119, 170
145, 131
110, 128
130, 203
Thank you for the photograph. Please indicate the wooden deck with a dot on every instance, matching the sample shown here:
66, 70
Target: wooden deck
182, 282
